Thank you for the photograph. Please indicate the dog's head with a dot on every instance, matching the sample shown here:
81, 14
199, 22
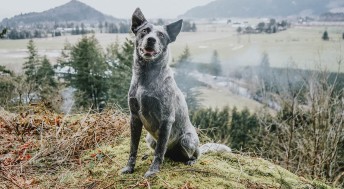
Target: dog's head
151, 40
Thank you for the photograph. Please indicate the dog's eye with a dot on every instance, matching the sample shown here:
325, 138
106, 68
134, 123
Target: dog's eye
161, 35
144, 31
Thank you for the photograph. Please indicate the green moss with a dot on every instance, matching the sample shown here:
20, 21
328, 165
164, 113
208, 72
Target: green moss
101, 168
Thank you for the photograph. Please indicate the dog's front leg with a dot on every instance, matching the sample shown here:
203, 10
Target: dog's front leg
135, 130
161, 146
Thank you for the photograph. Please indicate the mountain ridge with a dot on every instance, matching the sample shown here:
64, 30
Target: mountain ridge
258, 8
73, 11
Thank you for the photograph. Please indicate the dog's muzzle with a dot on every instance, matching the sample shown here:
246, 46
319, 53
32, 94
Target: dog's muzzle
148, 52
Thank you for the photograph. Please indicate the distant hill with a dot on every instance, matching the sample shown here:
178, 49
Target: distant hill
258, 8
329, 16
73, 11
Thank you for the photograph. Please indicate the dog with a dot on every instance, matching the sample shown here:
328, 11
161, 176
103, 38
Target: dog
156, 102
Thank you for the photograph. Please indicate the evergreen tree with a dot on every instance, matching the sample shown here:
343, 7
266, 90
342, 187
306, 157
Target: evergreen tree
193, 27
325, 36
121, 59
261, 26
106, 26
112, 28
46, 73
83, 29
189, 27
268, 84
215, 122
239, 30
123, 27
100, 26
88, 77
31, 65
6, 86
186, 83
244, 131
3, 33
48, 91
30, 68
215, 64
184, 59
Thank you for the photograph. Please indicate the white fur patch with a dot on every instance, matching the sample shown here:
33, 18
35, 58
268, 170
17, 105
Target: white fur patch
213, 147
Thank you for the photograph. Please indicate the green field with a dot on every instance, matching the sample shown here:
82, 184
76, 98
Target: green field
298, 47
217, 98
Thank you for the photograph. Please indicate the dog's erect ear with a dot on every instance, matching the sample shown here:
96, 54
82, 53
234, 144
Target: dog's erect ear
173, 29
137, 20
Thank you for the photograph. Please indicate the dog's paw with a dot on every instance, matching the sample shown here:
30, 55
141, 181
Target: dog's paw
151, 173
190, 162
127, 170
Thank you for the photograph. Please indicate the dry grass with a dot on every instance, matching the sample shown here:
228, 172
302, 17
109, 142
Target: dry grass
41, 149
36, 142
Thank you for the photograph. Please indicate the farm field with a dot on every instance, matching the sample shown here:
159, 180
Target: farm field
297, 47
300, 47
219, 98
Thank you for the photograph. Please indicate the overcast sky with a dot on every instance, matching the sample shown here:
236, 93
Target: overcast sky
116, 8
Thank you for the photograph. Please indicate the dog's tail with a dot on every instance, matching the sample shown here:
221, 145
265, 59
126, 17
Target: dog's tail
214, 147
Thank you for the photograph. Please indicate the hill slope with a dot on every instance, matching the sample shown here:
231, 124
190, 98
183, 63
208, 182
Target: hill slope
41, 149
73, 11
257, 8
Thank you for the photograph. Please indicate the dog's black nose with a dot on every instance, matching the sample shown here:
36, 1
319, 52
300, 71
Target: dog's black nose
151, 41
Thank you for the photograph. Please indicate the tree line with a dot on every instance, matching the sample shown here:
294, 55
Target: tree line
59, 29
70, 28
262, 27
98, 77
36, 83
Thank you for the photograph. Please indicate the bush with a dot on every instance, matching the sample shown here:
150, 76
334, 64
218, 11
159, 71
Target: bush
325, 36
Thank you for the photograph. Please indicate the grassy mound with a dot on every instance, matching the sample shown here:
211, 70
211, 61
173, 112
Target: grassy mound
40, 149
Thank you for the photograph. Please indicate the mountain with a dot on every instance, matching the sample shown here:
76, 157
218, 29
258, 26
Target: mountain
258, 8
73, 11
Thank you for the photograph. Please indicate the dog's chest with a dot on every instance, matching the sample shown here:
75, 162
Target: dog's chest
149, 110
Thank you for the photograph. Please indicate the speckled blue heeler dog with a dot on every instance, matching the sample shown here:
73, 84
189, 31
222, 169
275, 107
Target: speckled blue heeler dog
156, 102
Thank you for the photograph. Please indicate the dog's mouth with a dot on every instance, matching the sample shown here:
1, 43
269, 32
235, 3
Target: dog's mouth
148, 52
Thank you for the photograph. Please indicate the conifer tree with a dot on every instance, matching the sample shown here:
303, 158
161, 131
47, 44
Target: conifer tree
46, 73
31, 65
215, 64
215, 123
48, 90
186, 83
6, 86
87, 74
184, 59
325, 36
30, 68
121, 59
3, 33
243, 130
